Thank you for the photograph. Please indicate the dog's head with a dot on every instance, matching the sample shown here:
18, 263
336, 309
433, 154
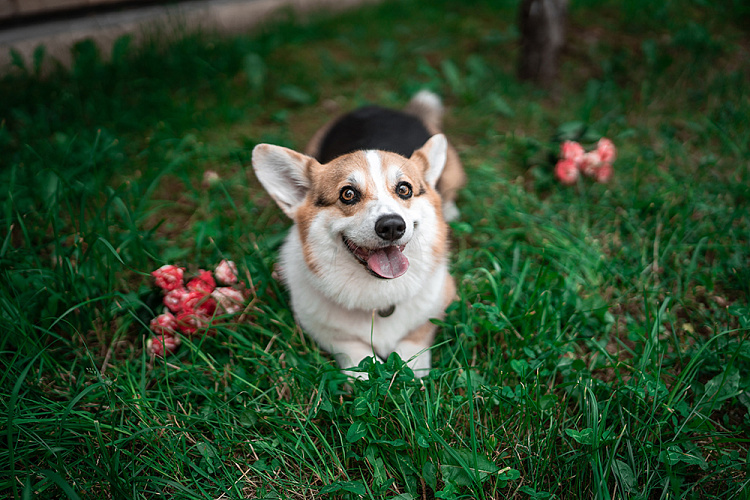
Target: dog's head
368, 210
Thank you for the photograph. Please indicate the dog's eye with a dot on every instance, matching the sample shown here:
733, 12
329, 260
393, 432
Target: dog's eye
348, 195
403, 190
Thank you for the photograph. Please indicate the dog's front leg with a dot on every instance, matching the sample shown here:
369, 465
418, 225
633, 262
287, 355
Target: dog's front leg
350, 353
415, 348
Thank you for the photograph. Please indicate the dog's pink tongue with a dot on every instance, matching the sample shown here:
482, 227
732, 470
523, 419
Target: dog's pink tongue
388, 262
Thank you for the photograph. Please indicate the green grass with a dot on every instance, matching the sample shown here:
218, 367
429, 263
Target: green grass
599, 347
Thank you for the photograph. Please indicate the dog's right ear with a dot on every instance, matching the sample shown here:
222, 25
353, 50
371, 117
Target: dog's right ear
284, 174
433, 155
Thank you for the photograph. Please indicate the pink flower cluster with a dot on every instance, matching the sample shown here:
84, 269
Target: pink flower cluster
193, 305
574, 161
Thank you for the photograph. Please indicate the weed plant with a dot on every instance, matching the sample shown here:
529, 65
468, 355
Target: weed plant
599, 345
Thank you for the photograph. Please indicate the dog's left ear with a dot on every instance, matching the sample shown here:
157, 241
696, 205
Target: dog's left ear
284, 174
432, 155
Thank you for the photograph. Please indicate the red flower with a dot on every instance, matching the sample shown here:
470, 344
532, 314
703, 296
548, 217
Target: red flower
199, 303
204, 282
607, 151
174, 299
590, 163
163, 324
162, 344
230, 301
566, 171
168, 277
192, 306
604, 173
226, 272
571, 150
574, 160
190, 322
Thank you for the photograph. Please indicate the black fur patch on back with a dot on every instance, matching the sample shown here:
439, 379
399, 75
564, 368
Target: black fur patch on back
373, 127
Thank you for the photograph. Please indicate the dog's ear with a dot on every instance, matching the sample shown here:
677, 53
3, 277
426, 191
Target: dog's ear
284, 174
432, 155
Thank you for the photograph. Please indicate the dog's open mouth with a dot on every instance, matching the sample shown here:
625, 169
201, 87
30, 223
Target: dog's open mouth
385, 262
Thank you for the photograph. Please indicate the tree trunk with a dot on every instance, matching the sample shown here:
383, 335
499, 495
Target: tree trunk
542, 26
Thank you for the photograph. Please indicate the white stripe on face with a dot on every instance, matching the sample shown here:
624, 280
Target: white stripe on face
376, 173
384, 201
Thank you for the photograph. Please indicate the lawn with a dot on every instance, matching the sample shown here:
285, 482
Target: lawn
600, 344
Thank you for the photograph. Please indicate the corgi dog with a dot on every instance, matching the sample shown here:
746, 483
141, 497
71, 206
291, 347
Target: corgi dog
366, 260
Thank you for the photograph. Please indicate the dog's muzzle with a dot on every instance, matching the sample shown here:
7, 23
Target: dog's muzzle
388, 261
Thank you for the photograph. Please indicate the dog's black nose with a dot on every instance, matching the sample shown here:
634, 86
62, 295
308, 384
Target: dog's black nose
390, 227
